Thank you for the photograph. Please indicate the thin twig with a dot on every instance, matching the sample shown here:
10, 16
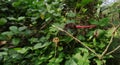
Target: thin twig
77, 40
113, 50
55, 51
106, 49
45, 24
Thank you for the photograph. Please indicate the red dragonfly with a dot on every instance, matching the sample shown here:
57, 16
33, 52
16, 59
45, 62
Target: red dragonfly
85, 26
72, 25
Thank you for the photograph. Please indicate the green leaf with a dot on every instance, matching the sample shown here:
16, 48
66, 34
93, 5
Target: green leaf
77, 56
48, 19
94, 42
14, 29
55, 61
80, 37
15, 41
12, 18
70, 62
15, 4
40, 45
33, 40
85, 2
3, 37
58, 60
3, 21
82, 57
101, 33
8, 34
37, 46
102, 45
70, 21
52, 29
92, 21
103, 22
27, 32
78, 5
15, 56
20, 18
99, 62
60, 48
71, 14
84, 10
57, 14
22, 28
110, 32
21, 50
3, 53
68, 39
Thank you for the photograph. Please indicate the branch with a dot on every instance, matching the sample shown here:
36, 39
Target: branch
106, 49
113, 50
77, 40
44, 25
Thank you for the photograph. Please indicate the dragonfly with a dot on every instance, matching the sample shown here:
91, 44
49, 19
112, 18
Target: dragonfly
72, 26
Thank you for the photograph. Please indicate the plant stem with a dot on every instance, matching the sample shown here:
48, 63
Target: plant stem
106, 49
113, 50
77, 40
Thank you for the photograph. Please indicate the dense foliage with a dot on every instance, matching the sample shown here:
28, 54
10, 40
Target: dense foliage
42, 32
